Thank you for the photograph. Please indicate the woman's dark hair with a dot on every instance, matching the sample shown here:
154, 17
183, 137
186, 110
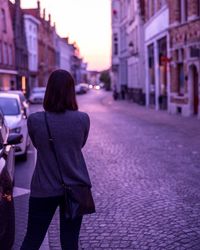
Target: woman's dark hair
60, 93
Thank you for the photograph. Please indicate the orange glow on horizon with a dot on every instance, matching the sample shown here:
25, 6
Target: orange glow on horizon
85, 22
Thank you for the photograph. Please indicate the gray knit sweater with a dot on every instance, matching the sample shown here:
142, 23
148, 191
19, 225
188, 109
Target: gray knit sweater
69, 131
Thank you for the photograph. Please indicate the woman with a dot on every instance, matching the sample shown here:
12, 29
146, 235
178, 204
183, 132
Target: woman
69, 128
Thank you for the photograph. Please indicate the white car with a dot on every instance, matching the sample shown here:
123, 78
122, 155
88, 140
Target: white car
37, 95
23, 100
81, 88
16, 120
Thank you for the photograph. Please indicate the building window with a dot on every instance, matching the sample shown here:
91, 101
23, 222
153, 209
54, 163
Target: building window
183, 10
123, 39
3, 20
151, 67
162, 51
181, 79
10, 61
5, 53
152, 7
148, 10
131, 11
115, 42
163, 2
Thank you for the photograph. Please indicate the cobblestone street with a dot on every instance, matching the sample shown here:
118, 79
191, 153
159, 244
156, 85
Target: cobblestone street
144, 167
145, 170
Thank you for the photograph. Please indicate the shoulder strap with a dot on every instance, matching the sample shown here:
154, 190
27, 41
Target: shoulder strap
52, 145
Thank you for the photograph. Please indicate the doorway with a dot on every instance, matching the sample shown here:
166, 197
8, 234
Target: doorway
195, 87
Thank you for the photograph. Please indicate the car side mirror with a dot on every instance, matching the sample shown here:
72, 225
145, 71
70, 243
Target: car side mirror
14, 139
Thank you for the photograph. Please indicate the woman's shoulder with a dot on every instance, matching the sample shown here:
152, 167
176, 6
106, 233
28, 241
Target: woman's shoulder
82, 114
36, 115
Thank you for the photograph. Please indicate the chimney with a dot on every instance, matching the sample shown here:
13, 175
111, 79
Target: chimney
44, 13
49, 19
38, 8
18, 3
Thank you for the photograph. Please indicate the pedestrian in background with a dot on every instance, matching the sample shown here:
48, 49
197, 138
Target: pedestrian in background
69, 128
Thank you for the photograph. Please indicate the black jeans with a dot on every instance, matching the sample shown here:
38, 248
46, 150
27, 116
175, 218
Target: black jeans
41, 211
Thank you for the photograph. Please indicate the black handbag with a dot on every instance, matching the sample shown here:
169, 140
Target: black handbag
78, 199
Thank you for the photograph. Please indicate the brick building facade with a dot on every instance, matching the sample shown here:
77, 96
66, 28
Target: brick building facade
7, 49
47, 51
46, 44
185, 57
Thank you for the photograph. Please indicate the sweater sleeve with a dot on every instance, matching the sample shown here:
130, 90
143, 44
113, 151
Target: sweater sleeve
87, 128
30, 130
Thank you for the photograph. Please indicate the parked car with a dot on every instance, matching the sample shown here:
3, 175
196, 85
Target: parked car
7, 163
37, 95
97, 86
16, 120
81, 88
23, 100
94, 86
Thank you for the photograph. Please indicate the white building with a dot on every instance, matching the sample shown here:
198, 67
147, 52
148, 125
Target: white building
83, 72
135, 37
31, 30
65, 54
115, 45
156, 38
123, 47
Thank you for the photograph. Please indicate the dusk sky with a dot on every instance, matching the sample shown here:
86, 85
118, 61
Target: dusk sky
85, 21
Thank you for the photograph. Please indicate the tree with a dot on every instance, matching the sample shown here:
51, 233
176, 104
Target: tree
105, 78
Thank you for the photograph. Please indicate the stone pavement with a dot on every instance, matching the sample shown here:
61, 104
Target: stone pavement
21, 211
145, 170
144, 166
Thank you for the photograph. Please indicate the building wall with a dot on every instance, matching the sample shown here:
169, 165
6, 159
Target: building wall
156, 38
47, 51
7, 50
123, 49
185, 55
21, 51
115, 14
135, 43
65, 54
31, 29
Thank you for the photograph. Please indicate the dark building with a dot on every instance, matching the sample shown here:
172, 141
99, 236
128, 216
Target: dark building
7, 50
21, 52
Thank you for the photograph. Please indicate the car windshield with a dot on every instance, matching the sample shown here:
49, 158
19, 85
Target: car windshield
22, 97
9, 106
38, 90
